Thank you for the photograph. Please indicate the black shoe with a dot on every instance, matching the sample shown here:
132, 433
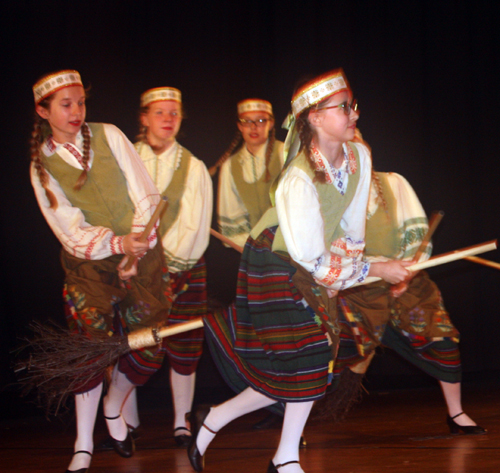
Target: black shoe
272, 420
80, 470
107, 444
197, 420
124, 448
183, 439
274, 469
466, 429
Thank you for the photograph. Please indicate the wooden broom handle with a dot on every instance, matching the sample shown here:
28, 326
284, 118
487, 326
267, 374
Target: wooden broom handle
434, 221
150, 336
149, 227
151, 339
226, 240
445, 258
485, 262
180, 328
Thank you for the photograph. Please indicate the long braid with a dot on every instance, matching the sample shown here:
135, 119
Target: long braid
142, 135
233, 147
378, 188
85, 159
269, 152
306, 136
37, 137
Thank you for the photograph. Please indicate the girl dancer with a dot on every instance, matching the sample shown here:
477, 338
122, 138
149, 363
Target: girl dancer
184, 229
410, 318
277, 342
248, 168
97, 198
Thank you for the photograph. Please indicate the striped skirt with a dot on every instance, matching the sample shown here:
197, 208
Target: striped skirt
268, 339
415, 325
184, 350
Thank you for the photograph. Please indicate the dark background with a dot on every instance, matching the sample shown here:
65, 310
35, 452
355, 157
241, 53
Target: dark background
426, 75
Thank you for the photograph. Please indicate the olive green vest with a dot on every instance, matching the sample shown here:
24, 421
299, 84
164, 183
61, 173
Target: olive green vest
255, 196
174, 191
382, 233
332, 205
104, 198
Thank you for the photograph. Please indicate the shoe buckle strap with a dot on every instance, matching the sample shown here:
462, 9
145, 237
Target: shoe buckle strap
285, 464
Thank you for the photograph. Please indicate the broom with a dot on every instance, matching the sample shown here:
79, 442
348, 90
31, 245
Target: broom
60, 364
61, 360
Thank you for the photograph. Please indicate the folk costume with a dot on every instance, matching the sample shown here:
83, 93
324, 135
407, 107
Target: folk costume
416, 324
117, 198
278, 337
184, 228
276, 343
95, 194
245, 182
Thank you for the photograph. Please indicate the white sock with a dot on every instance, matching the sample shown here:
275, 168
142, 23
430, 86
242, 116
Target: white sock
119, 389
86, 405
247, 401
182, 396
296, 415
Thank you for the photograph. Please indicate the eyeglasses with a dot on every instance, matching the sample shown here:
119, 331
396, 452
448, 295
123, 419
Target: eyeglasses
259, 123
345, 106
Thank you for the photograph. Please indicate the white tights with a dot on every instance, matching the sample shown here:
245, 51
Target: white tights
86, 405
247, 401
182, 387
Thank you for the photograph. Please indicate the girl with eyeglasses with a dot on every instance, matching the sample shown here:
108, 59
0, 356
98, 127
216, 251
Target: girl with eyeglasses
277, 342
248, 168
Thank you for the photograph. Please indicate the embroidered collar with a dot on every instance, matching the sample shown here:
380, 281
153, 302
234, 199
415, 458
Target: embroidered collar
51, 146
337, 177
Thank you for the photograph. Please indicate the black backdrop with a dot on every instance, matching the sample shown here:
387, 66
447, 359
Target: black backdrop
425, 74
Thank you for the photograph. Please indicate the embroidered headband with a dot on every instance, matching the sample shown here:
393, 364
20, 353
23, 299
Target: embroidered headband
254, 105
54, 82
160, 93
319, 89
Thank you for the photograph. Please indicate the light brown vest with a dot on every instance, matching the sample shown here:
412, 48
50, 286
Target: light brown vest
104, 198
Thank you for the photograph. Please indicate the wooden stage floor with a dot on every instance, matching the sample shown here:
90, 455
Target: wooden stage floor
397, 431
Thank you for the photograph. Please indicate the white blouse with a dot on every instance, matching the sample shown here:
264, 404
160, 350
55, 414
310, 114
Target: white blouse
297, 202
233, 216
410, 217
187, 239
77, 236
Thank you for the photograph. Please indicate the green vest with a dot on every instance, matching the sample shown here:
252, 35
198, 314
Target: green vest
382, 233
104, 198
174, 192
255, 196
332, 205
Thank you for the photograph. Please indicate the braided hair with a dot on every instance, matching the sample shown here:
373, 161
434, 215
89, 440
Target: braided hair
85, 159
41, 130
237, 144
378, 188
143, 129
306, 135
